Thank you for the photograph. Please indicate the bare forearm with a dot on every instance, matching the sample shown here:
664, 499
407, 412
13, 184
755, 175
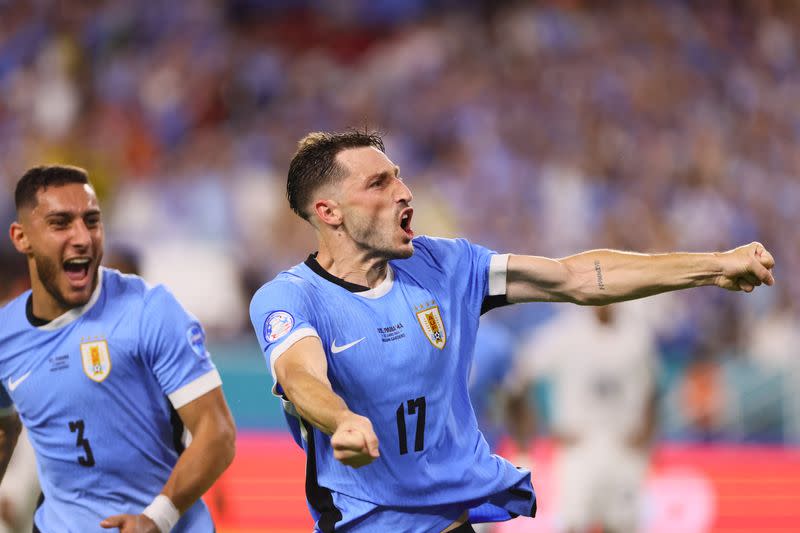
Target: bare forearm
198, 468
316, 402
607, 276
599, 277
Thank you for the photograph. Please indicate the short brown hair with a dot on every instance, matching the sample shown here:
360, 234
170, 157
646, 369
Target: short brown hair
314, 163
42, 177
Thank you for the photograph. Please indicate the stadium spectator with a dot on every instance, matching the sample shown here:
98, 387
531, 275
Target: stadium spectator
111, 377
370, 340
702, 397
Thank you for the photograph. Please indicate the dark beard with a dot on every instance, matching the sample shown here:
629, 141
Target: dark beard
364, 234
47, 271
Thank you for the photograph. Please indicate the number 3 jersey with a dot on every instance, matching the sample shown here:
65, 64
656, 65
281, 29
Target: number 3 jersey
97, 389
398, 354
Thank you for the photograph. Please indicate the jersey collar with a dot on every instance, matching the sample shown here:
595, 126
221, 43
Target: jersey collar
359, 290
70, 316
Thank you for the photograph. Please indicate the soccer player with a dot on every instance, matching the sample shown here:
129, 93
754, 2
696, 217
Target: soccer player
110, 376
602, 366
370, 342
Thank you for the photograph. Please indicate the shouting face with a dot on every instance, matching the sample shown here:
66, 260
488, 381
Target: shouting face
375, 203
62, 235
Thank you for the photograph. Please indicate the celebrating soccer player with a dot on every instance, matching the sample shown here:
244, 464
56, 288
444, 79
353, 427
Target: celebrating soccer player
109, 375
370, 342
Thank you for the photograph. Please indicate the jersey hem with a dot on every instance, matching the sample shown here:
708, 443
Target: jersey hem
498, 274
288, 342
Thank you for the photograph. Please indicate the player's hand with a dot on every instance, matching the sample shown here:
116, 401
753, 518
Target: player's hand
354, 442
746, 267
130, 523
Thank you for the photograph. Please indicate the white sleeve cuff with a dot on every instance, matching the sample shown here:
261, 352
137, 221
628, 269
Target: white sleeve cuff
195, 389
284, 345
498, 274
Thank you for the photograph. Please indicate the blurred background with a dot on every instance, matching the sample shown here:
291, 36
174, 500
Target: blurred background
529, 127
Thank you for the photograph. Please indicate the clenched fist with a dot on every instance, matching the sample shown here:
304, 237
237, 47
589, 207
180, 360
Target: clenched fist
354, 442
745, 268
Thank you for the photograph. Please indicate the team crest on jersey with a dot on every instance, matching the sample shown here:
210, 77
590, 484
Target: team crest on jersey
197, 340
96, 360
432, 324
277, 325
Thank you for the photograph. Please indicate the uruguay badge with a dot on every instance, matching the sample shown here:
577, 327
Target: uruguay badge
96, 360
432, 325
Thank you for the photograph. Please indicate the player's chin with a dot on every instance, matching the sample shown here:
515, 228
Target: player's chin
405, 250
77, 297
78, 294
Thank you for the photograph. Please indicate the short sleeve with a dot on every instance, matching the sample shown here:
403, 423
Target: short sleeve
281, 316
173, 346
477, 273
6, 404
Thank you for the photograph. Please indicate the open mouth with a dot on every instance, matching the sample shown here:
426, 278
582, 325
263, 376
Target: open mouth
77, 268
405, 221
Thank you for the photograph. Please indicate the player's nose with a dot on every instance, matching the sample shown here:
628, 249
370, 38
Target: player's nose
402, 192
81, 235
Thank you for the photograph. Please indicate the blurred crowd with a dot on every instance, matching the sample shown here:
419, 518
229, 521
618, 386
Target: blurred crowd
531, 127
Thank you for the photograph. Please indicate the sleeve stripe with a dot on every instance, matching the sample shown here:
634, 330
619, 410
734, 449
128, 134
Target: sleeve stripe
498, 272
287, 343
195, 389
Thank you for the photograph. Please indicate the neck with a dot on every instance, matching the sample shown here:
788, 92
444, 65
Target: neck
44, 306
347, 261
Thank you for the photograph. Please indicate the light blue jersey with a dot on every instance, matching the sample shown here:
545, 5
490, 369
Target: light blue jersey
399, 354
97, 389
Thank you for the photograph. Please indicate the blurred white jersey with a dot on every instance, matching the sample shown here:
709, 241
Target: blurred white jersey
602, 375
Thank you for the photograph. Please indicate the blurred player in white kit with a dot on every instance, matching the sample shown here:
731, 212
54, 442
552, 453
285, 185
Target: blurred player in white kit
602, 365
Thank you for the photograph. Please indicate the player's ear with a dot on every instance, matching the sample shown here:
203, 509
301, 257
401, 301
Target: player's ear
19, 238
328, 212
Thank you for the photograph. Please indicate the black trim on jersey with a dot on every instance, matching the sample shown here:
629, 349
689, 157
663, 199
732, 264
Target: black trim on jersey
491, 302
177, 430
34, 320
525, 495
312, 263
466, 527
39, 503
320, 498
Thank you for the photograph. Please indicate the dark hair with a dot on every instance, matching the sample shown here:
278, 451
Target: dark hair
314, 163
40, 178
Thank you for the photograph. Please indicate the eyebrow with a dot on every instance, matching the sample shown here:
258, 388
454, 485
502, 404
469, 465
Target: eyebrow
70, 214
384, 174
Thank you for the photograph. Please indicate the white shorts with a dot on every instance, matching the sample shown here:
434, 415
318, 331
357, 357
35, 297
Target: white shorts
599, 483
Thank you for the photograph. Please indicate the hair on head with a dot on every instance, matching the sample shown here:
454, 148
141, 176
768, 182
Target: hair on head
314, 163
42, 177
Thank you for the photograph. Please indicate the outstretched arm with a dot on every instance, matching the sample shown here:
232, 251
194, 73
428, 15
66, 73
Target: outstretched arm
211, 450
302, 371
601, 277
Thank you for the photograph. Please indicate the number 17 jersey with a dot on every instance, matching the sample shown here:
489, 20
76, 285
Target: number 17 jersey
398, 354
